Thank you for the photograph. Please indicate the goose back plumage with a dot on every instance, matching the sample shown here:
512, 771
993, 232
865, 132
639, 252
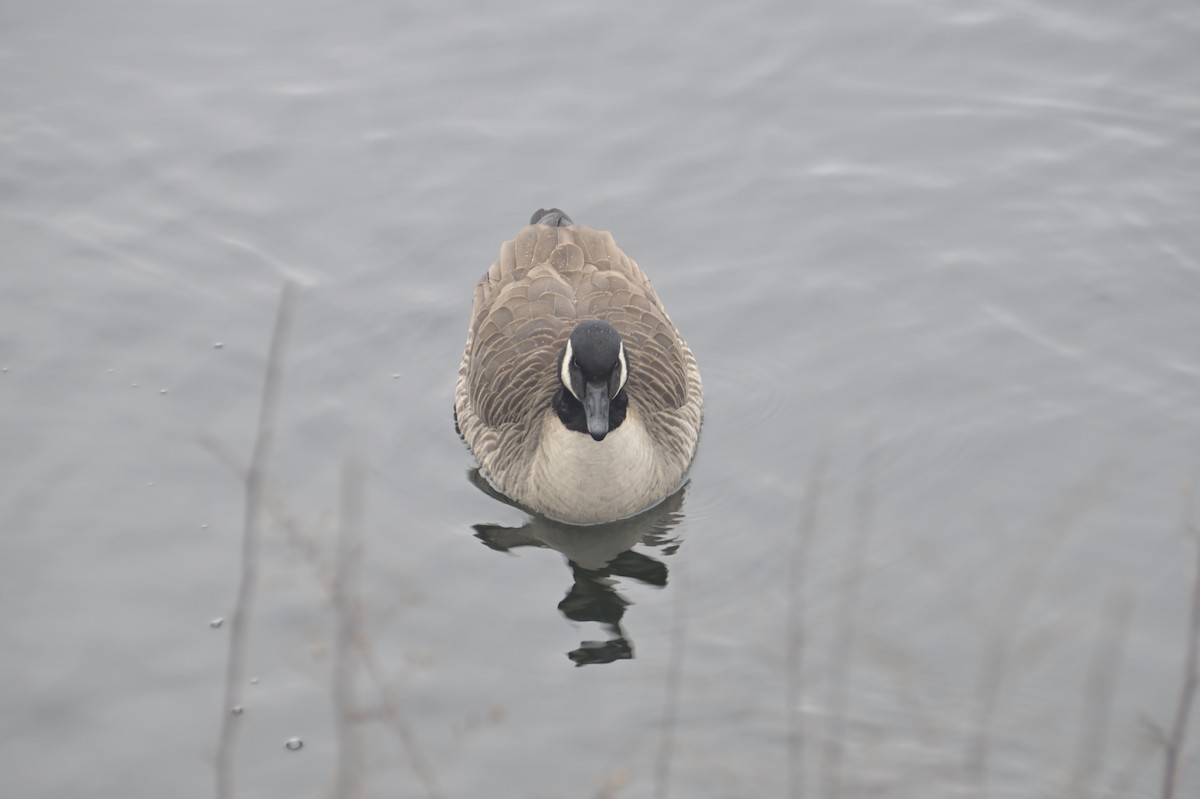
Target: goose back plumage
548, 279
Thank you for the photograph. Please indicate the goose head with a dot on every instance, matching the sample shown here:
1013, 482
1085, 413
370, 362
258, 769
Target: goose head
592, 370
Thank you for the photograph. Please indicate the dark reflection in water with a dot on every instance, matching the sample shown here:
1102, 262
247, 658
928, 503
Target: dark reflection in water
596, 555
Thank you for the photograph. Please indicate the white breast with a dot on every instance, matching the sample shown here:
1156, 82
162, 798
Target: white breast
577, 479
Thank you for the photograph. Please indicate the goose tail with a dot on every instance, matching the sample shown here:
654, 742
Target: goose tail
552, 217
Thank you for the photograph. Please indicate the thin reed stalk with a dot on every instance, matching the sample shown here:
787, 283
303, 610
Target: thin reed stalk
845, 632
995, 665
347, 778
255, 476
392, 711
395, 717
1191, 674
1098, 688
794, 687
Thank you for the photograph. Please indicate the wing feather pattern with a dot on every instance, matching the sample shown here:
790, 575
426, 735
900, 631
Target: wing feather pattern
544, 282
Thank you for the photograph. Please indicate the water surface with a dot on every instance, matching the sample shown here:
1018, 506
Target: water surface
937, 260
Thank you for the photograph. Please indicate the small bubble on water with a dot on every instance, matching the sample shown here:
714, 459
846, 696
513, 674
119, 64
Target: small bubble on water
254, 681
396, 376
204, 527
237, 710
150, 484
111, 371
218, 345
217, 622
3, 368
293, 744
135, 385
162, 391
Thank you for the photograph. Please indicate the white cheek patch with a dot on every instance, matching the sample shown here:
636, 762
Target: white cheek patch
564, 373
624, 368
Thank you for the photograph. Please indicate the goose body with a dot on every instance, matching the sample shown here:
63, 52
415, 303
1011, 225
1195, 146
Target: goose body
576, 394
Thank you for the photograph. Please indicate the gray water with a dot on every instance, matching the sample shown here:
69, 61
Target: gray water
939, 263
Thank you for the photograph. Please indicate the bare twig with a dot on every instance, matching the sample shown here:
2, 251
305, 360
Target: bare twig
394, 716
1098, 695
1191, 673
666, 739
251, 520
1137, 758
845, 632
391, 712
998, 652
794, 687
345, 603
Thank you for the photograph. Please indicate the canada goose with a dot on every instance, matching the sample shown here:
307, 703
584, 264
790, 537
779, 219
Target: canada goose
576, 393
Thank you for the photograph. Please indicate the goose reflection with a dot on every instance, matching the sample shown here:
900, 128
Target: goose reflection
597, 556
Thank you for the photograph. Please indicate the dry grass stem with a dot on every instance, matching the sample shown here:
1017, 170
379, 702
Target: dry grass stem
390, 711
845, 632
347, 778
1098, 690
395, 718
1191, 673
251, 521
1132, 766
999, 651
794, 657
338, 583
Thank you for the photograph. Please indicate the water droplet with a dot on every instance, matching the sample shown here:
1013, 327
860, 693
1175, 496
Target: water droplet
151, 483
217, 345
162, 391
237, 710
217, 622
111, 371
293, 744
396, 376
4, 369
135, 385
254, 681
204, 527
